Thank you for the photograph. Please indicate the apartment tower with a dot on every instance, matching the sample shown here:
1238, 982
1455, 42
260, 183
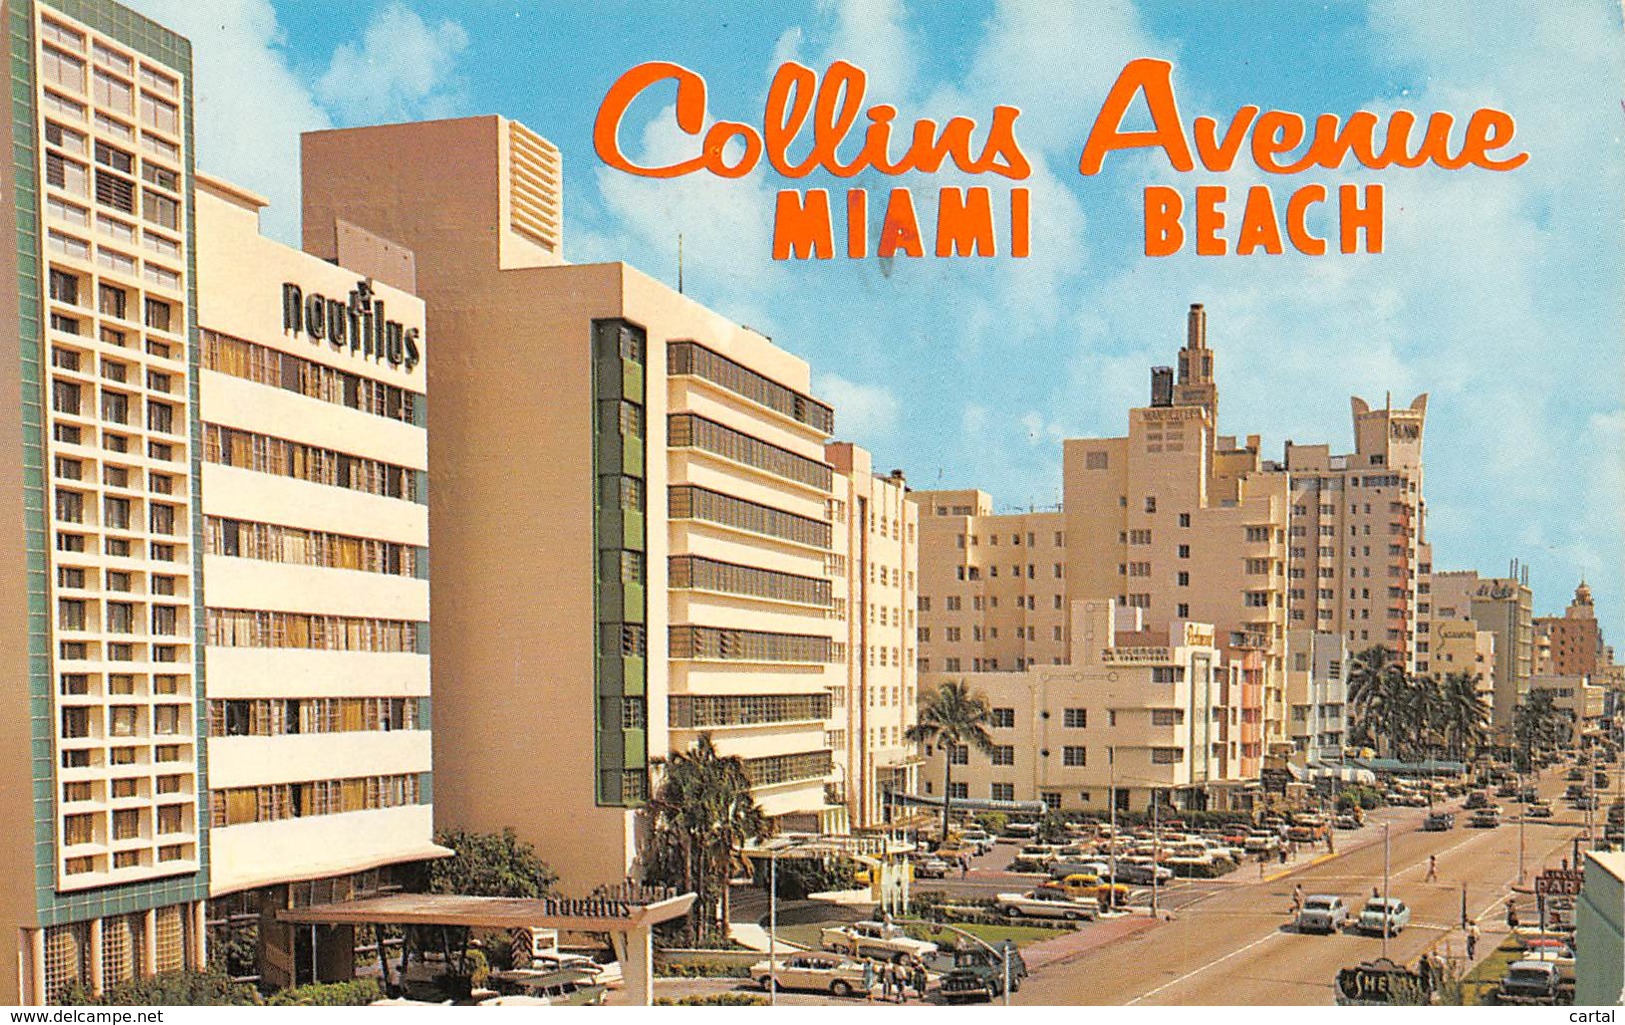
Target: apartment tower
101, 628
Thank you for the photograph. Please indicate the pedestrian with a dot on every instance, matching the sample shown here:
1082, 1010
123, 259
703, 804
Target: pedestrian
868, 979
886, 977
1433, 868
1472, 940
1376, 894
921, 978
1283, 855
964, 866
1297, 899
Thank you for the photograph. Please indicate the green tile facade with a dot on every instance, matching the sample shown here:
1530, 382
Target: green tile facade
619, 566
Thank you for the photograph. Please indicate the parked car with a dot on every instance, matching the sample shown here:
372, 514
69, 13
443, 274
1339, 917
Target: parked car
1347, 822
1098, 887
1538, 810
1047, 904
1142, 871
930, 867
1439, 822
1377, 909
1261, 842
976, 973
1477, 799
1062, 869
979, 840
874, 939
1528, 982
1575, 775
1486, 818
1529, 795
1021, 830
821, 973
1322, 913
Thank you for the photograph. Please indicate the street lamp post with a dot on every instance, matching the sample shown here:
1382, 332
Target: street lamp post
773, 928
1111, 796
1385, 906
1156, 848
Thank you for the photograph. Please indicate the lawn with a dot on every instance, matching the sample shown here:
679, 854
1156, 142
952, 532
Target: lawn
1020, 934
1479, 985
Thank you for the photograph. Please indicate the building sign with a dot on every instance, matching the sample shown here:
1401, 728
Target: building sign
1373, 982
356, 323
1559, 882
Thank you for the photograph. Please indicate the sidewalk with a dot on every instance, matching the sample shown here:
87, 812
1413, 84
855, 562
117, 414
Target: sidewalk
1074, 945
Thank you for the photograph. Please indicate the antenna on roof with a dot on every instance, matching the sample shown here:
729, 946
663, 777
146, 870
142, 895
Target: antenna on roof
679, 263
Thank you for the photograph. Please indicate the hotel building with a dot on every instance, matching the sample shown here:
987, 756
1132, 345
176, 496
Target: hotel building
316, 564
1137, 711
875, 594
652, 551
1572, 643
101, 806
1501, 607
1317, 696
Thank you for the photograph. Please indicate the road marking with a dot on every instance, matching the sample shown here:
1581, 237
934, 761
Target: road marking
1199, 971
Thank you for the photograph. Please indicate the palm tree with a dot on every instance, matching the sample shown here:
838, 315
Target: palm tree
953, 717
1467, 715
702, 815
1538, 722
1378, 693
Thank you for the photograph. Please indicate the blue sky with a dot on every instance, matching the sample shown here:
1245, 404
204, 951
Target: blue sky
1499, 294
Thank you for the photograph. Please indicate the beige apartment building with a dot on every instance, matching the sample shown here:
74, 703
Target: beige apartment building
100, 817
1317, 696
1501, 607
1357, 542
1572, 644
316, 565
876, 542
1138, 712
651, 551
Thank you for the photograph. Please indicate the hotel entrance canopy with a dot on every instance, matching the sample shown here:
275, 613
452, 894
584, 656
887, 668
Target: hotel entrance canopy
627, 922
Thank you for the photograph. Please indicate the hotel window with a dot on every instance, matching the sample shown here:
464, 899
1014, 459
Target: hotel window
156, 113
116, 513
113, 93
1074, 755
160, 210
75, 684
1004, 754
958, 754
61, 69
157, 314
78, 829
1002, 791
1167, 755
165, 620
959, 791
123, 721
71, 613
75, 723
127, 824
1076, 718
120, 617
70, 506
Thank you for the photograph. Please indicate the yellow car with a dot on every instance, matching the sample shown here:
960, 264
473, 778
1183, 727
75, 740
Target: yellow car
1083, 885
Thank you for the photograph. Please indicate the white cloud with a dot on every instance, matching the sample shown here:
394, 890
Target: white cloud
243, 79
403, 69
862, 411
252, 106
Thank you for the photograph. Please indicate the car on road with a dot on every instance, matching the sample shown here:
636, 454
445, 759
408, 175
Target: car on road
820, 973
1062, 869
1347, 822
874, 939
1584, 803
1439, 822
1047, 904
1528, 982
1529, 795
1322, 913
1377, 909
1507, 789
1538, 810
1486, 818
1575, 775
1477, 799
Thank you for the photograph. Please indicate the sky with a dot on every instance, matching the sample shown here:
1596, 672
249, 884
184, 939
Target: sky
1498, 293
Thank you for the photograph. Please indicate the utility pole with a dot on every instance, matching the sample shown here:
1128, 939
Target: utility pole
1156, 848
773, 929
1111, 792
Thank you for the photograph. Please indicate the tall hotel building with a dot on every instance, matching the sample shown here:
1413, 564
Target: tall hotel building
315, 565
639, 534
101, 633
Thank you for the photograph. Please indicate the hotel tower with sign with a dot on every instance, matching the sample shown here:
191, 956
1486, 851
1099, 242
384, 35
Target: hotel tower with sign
640, 537
101, 764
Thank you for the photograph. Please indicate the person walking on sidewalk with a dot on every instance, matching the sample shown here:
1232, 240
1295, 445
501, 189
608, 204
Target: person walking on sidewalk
1433, 868
1472, 940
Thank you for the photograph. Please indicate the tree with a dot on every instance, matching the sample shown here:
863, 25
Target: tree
1379, 695
702, 815
489, 865
1537, 722
953, 717
1466, 713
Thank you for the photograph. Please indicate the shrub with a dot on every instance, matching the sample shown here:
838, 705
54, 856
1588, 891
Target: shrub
171, 989
993, 821
703, 968
801, 876
715, 1000
355, 993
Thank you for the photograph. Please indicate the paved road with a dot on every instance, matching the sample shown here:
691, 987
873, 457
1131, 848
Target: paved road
1232, 945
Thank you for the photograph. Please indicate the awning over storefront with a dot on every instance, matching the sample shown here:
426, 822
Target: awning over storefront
1430, 767
969, 804
579, 914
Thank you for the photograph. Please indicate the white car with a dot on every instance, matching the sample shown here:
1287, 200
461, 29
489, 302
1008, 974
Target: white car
1259, 842
1048, 904
1322, 913
875, 939
1397, 914
822, 973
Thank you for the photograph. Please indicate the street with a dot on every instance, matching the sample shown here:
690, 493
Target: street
1231, 943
